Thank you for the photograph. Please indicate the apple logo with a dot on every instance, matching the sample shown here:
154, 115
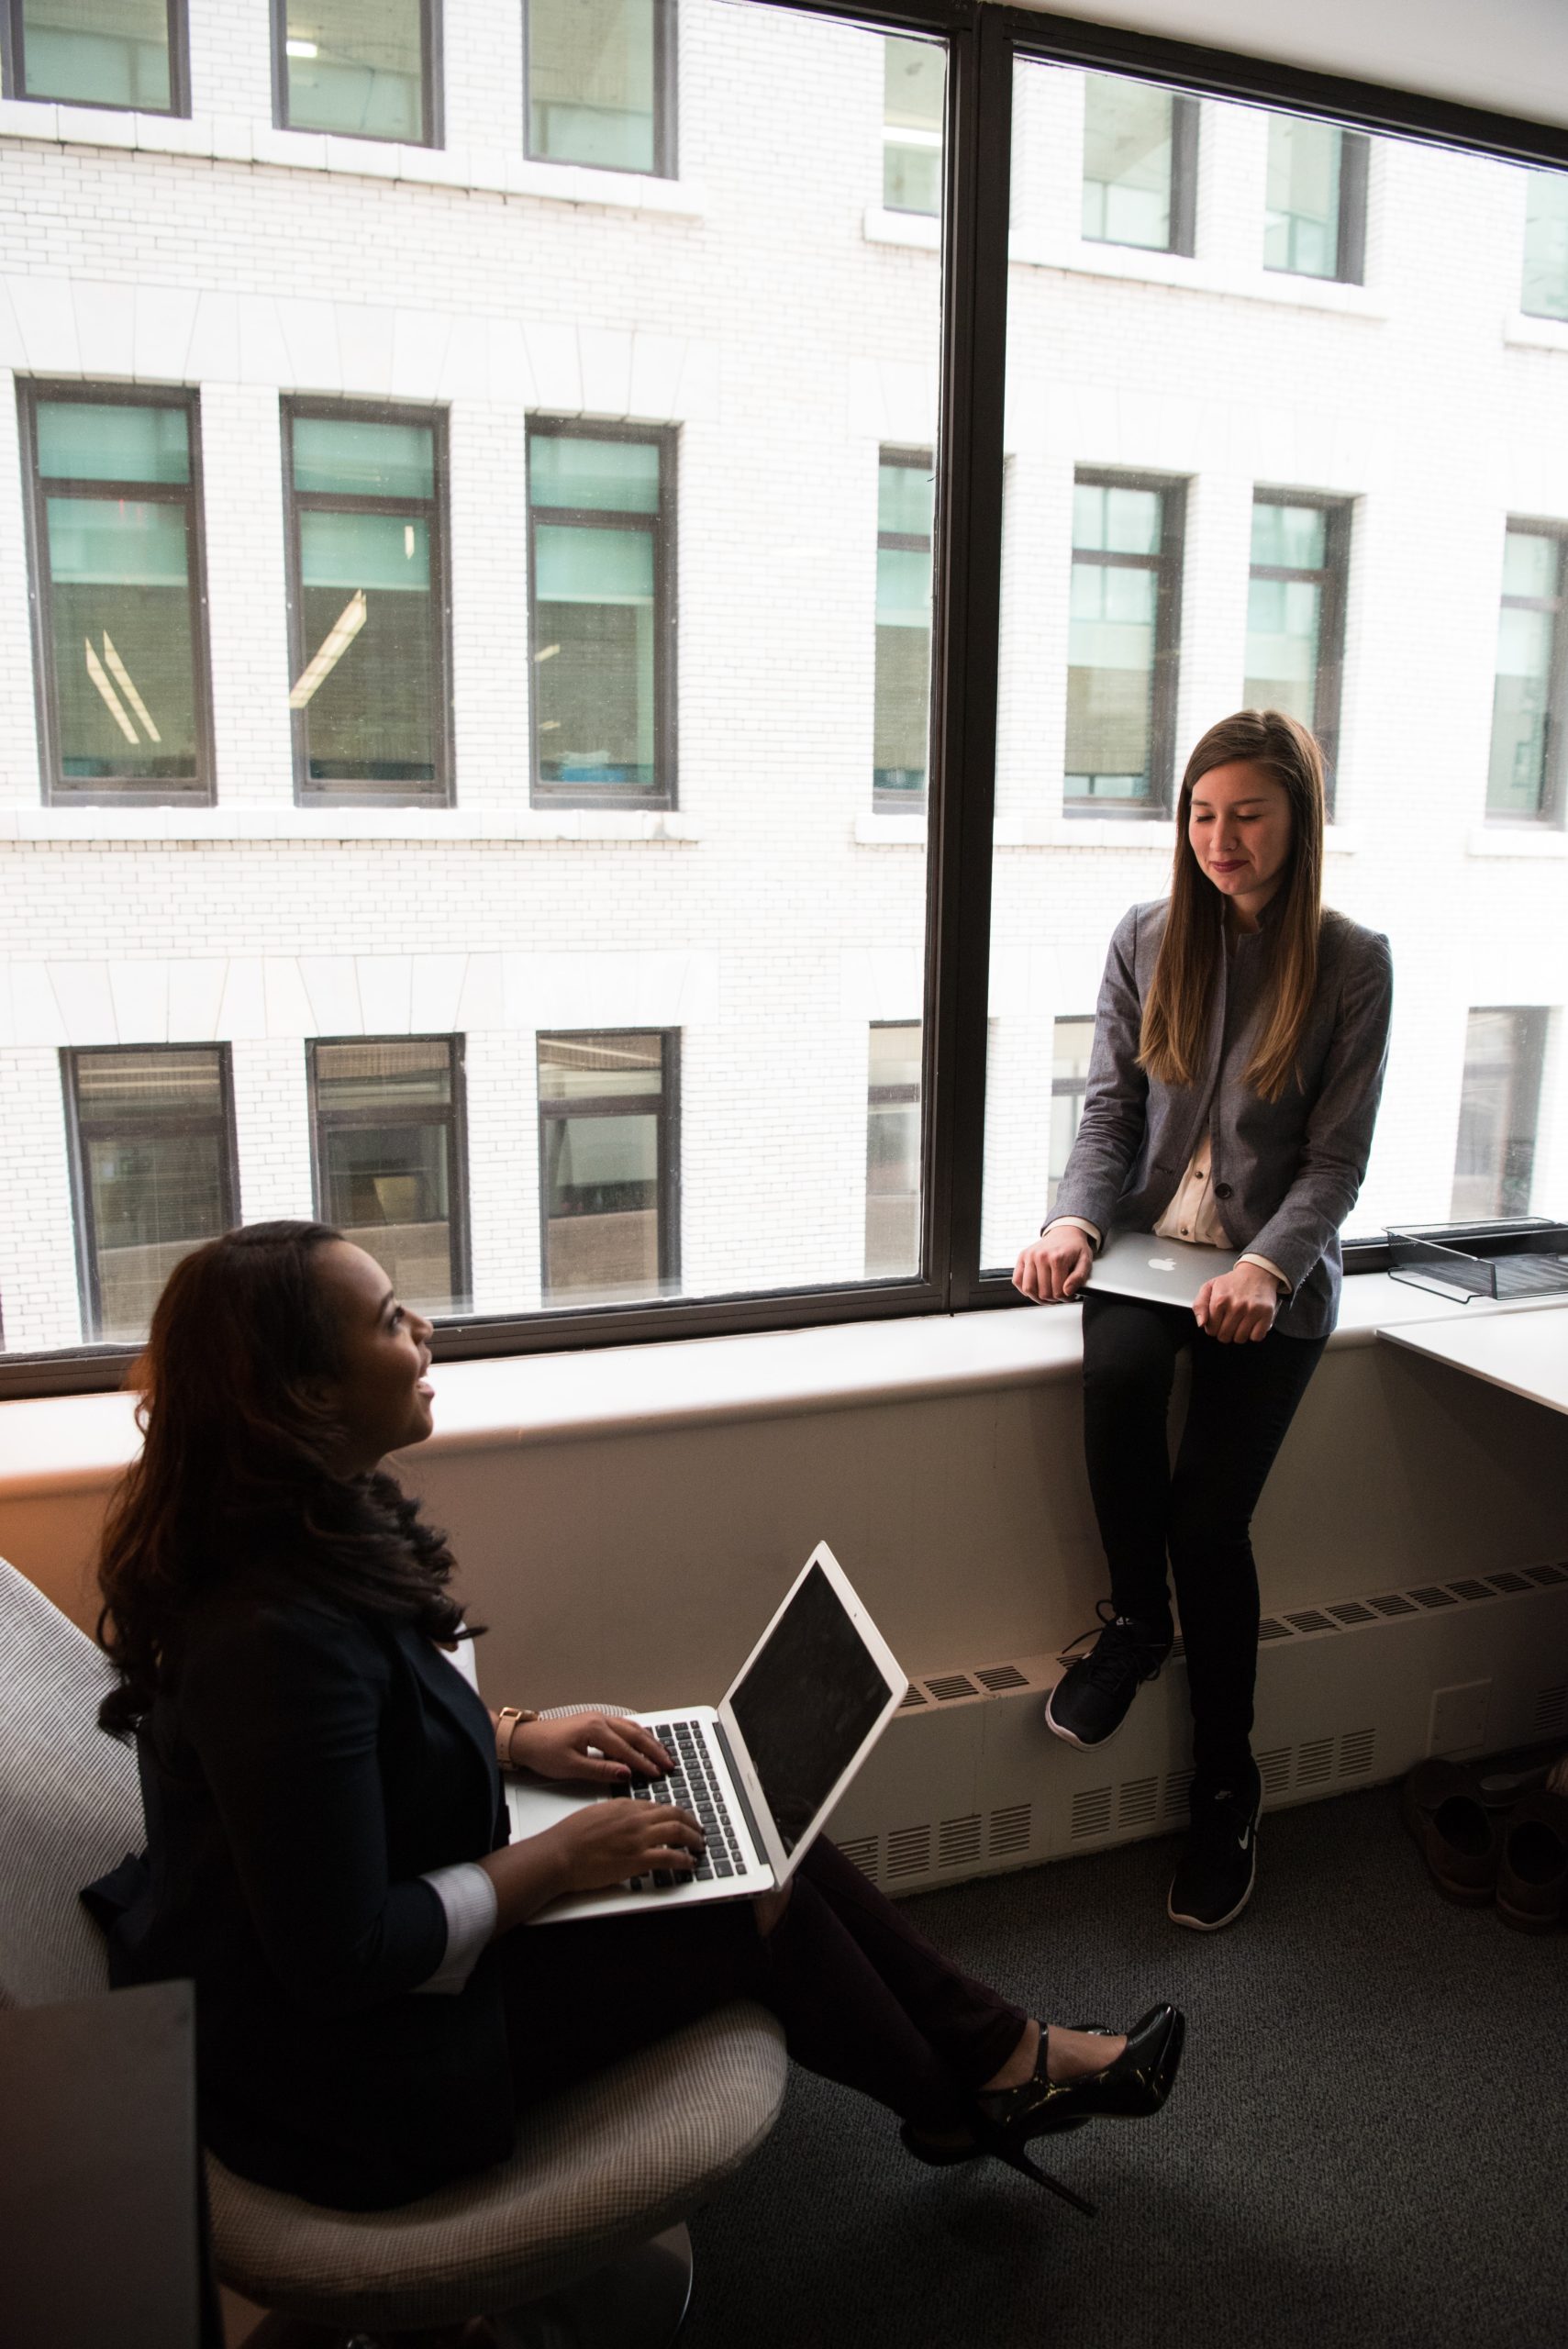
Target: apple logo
1162, 1263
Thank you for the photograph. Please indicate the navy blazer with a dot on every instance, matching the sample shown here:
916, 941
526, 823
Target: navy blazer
301, 1770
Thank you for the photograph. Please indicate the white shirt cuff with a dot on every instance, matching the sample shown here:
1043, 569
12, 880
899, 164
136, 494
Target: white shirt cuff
467, 1895
1079, 1223
1248, 1256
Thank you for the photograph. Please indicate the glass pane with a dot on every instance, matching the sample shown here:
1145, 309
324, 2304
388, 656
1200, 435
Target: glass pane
591, 82
903, 709
1113, 520
587, 473
95, 440
153, 1149
1110, 678
896, 1055
601, 1179
593, 661
905, 499
120, 616
97, 52
1283, 620
1128, 161
374, 1076
367, 688
355, 66
385, 1188
914, 99
1289, 537
134, 1086
1532, 563
1494, 1165
1301, 229
350, 456
1517, 774
582, 1068
1545, 290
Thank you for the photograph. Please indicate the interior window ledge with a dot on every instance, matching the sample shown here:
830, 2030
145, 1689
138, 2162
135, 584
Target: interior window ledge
436, 826
1516, 840
918, 231
82, 1443
1128, 263
233, 138
1535, 334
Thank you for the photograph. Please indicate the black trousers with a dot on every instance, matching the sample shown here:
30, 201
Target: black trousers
862, 1997
1198, 1514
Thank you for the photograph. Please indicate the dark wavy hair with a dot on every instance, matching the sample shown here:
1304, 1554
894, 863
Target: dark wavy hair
232, 1486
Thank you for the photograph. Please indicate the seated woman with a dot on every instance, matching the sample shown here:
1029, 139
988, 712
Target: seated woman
326, 1850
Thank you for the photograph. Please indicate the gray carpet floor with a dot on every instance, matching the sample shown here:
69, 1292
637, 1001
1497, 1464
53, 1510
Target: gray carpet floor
1367, 2148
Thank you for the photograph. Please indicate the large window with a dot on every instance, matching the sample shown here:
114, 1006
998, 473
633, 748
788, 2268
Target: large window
128, 53
603, 613
120, 623
369, 618
386, 1123
1295, 610
1122, 643
609, 1166
1494, 1166
905, 498
1072, 1045
364, 69
1315, 225
153, 1174
1544, 291
1523, 778
914, 98
601, 82
1139, 165
893, 1151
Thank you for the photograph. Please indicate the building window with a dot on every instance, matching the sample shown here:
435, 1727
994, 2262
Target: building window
368, 656
125, 53
120, 612
1123, 633
1544, 293
914, 102
152, 1162
609, 1166
1139, 165
1493, 1167
603, 615
1296, 611
1315, 220
906, 501
363, 68
1073, 1042
893, 1151
601, 82
1527, 699
386, 1126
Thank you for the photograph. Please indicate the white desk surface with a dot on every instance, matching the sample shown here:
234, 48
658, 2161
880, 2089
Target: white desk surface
1524, 1350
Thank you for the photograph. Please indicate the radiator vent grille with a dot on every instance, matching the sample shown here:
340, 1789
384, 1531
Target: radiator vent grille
862, 1854
911, 1697
1550, 1717
1508, 1582
1273, 1768
952, 1685
1355, 1753
1091, 1812
1178, 1646
1547, 1574
1352, 1612
997, 1676
1009, 1829
1315, 1762
1138, 1801
1178, 1786
1310, 1620
1272, 1629
958, 1842
1473, 1589
1433, 1595
908, 1852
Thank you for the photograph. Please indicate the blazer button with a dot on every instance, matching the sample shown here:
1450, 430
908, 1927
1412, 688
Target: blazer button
1222, 1190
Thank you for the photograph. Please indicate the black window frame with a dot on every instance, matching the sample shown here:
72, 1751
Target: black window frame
1350, 263
1185, 117
13, 66
59, 790
905, 803
434, 511
1168, 566
628, 1105
1332, 579
80, 1131
1549, 816
454, 1117
432, 94
664, 793
983, 43
666, 101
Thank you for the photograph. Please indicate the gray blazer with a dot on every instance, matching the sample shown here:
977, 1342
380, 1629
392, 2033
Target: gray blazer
1285, 1172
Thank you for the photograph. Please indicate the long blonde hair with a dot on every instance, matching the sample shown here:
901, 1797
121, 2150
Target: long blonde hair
1176, 1013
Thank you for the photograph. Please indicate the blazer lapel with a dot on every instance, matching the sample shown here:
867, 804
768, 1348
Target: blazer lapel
447, 1687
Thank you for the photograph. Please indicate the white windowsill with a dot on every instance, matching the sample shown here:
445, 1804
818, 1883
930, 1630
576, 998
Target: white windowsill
1535, 334
1128, 263
1516, 839
890, 832
82, 1443
436, 826
238, 138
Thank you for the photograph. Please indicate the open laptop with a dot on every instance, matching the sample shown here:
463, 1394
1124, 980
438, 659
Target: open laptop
1164, 1271
763, 1768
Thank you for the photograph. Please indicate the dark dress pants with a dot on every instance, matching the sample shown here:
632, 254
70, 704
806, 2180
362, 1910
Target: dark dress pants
1200, 1513
864, 1999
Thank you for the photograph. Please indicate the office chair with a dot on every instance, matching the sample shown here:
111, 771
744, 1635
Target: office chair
578, 2238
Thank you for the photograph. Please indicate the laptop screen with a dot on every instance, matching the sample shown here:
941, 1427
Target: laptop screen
811, 1696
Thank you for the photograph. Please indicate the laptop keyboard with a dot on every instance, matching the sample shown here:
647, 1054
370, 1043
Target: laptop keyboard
694, 1784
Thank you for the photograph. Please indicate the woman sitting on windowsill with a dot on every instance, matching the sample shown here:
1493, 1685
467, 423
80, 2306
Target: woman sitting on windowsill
327, 1841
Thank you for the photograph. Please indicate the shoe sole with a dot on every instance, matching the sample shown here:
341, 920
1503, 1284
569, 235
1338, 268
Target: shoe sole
1084, 1744
1217, 1924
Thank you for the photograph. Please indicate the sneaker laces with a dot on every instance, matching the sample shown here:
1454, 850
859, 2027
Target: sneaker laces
1117, 1650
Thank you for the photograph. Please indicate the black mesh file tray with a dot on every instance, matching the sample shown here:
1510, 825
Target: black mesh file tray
1522, 1256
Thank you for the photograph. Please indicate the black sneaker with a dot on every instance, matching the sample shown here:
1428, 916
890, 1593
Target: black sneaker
1090, 1701
1213, 1881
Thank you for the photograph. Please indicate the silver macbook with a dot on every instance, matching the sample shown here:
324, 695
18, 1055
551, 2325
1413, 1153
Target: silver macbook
1164, 1271
762, 1769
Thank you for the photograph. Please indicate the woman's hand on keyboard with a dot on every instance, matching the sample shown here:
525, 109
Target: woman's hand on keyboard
598, 1747
606, 1843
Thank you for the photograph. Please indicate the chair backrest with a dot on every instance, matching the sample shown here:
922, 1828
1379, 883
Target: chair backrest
70, 1805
